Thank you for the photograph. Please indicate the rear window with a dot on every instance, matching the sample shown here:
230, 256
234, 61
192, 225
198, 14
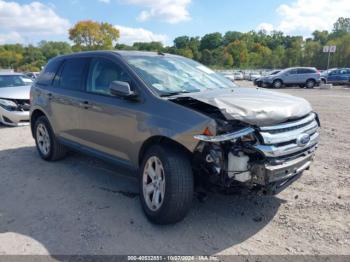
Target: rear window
46, 77
72, 75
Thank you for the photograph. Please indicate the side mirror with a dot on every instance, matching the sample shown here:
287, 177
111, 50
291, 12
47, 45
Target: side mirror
122, 89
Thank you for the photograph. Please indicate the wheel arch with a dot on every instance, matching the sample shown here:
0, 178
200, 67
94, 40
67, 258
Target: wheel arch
278, 79
34, 116
311, 79
160, 140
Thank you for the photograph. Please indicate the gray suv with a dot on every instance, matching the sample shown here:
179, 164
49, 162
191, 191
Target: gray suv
173, 121
307, 77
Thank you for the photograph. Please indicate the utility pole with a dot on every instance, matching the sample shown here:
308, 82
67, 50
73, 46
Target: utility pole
329, 56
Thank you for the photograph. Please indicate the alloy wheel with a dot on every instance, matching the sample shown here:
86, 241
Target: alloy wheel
43, 139
153, 183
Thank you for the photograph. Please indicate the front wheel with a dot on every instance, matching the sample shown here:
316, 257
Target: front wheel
277, 84
166, 185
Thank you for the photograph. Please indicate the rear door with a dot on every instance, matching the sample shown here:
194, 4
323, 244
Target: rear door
67, 101
344, 75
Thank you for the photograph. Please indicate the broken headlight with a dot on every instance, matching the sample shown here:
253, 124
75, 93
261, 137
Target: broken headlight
245, 133
8, 104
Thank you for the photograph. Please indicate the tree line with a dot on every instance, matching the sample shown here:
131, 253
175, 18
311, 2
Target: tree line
230, 50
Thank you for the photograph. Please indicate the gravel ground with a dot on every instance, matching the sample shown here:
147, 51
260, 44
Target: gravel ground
81, 205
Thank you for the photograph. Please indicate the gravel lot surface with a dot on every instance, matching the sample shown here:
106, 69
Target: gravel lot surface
81, 205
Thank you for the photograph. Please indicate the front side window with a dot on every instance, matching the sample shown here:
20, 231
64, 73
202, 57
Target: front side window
102, 73
72, 75
169, 75
14, 80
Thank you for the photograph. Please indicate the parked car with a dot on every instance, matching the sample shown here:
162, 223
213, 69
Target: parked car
238, 75
14, 99
32, 75
302, 76
246, 75
336, 76
228, 76
174, 121
259, 81
253, 76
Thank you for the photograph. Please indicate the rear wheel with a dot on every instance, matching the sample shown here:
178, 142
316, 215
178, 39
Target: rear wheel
47, 145
277, 84
166, 185
310, 83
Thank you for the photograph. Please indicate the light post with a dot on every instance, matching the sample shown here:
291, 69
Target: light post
329, 50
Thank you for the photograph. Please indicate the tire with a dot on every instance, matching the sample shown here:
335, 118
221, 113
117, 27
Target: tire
43, 131
310, 83
277, 84
173, 204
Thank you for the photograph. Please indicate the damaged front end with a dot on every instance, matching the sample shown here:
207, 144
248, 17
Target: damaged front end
268, 157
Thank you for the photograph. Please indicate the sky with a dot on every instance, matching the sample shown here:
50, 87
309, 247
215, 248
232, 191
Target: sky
28, 21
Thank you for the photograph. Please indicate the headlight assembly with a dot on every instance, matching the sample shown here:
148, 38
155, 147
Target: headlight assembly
8, 104
245, 133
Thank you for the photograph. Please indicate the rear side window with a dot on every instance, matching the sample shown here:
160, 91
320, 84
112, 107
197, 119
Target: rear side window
72, 74
47, 76
306, 71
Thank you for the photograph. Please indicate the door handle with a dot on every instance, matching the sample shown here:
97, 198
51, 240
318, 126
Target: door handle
85, 104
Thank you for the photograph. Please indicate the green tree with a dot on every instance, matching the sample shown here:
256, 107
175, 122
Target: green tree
186, 52
211, 41
182, 42
207, 57
51, 49
10, 59
148, 46
342, 25
90, 35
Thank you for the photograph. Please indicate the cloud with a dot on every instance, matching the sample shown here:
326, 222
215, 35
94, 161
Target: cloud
34, 18
11, 38
105, 1
265, 26
171, 11
130, 35
305, 16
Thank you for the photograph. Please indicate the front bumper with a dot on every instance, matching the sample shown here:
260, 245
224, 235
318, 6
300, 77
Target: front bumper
273, 174
14, 118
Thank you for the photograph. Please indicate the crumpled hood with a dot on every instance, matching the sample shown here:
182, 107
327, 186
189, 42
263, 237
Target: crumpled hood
255, 106
15, 92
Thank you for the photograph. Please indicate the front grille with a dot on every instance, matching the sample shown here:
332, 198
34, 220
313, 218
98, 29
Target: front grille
290, 139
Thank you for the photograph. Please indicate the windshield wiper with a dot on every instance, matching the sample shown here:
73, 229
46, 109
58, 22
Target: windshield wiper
175, 93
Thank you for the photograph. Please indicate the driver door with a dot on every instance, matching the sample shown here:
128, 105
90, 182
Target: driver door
109, 122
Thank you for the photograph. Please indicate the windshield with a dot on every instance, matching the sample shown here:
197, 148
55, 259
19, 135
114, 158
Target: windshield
14, 80
274, 72
171, 75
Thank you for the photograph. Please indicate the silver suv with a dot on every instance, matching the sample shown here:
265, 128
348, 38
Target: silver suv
307, 77
173, 121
